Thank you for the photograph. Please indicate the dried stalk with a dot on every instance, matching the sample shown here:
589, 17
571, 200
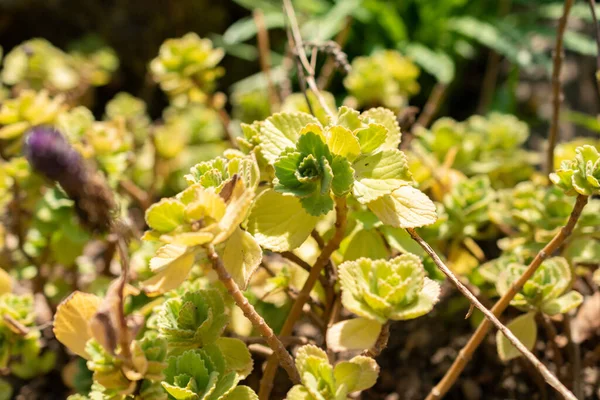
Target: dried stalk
330, 65
264, 52
341, 209
258, 322
556, 86
548, 376
467, 351
432, 105
298, 46
136, 193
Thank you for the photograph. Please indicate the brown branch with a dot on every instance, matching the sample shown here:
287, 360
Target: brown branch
432, 105
318, 238
302, 264
341, 209
258, 322
556, 86
467, 351
380, 343
548, 376
264, 56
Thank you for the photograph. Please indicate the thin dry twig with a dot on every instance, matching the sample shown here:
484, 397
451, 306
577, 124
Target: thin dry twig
432, 105
258, 322
548, 376
136, 193
341, 209
298, 46
467, 351
328, 69
557, 96
264, 56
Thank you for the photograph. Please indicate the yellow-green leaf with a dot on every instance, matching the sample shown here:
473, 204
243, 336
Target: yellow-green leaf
525, 329
237, 356
166, 215
353, 334
241, 256
71, 321
172, 265
279, 222
341, 141
406, 207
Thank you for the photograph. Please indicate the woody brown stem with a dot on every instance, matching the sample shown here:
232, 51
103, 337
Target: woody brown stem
258, 322
341, 209
467, 351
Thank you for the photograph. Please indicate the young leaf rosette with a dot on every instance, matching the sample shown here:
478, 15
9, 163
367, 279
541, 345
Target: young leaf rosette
546, 291
580, 175
378, 291
193, 320
354, 154
208, 212
320, 380
204, 374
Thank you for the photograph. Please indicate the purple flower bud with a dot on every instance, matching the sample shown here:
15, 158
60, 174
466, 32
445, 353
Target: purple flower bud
51, 155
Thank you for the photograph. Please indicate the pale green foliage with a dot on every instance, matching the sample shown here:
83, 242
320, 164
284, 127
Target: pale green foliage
580, 175
297, 102
484, 145
117, 378
525, 329
193, 320
385, 78
37, 64
546, 291
187, 68
133, 111
29, 109
380, 290
250, 106
467, 206
203, 374
322, 381
20, 347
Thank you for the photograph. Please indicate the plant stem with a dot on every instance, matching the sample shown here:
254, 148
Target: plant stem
264, 53
556, 86
432, 105
380, 343
467, 351
551, 341
301, 55
329, 67
258, 322
136, 193
548, 376
341, 209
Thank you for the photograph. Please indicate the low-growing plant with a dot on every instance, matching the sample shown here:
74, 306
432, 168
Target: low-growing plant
188, 257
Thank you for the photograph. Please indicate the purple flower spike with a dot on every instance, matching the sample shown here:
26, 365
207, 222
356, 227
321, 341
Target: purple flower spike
51, 155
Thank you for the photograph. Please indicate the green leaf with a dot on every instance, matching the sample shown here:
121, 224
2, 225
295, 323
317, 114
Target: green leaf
343, 176
241, 393
353, 334
281, 131
299, 392
342, 142
241, 257
237, 356
166, 215
563, 304
406, 207
245, 28
525, 329
279, 222
371, 137
349, 118
364, 243
437, 63
361, 376
172, 265
388, 119
379, 174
